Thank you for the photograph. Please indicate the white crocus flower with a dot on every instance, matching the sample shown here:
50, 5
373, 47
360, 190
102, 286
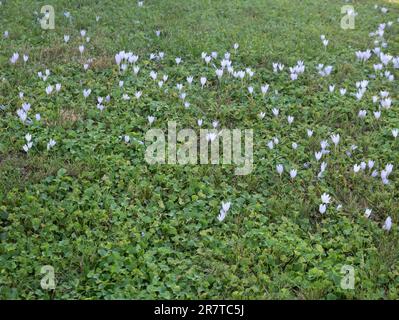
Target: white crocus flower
51, 144
387, 224
325, 198
223, 211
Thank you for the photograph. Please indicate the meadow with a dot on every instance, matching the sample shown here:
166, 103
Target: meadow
317, 216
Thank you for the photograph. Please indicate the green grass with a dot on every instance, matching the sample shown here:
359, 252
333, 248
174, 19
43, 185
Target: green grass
113, 226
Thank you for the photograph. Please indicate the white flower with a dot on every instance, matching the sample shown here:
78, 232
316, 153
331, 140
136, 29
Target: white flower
386, 103
58, 87
203, 81
318, 155
178, 60
294, 145
322, 208
363, 165
81, 48
51, 144
66, 38
86, 92
22, 115
153, 75
290, 119
199, 122
367, 212
356, 168
324, 144
325, 198
151, 119
133, 58
275, 112
211, 136
226, 206
389, 168
362, 113
219, 73
395, 133
264, 89
28, 145
190, 79
270, 144
293, 173
138, 94
385, 58
25, 148
249, 72
26, 106
309, 132
49, 89
223, 211
387, 224
335, 138
280, 169
370, 164
250, 90
14, 58
363, 56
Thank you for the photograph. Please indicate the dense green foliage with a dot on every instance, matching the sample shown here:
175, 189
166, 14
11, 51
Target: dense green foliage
113, 226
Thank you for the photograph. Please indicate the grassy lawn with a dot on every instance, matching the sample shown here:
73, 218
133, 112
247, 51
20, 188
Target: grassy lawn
114, 226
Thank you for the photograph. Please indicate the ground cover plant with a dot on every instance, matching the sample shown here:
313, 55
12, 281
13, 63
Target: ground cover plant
77, 194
